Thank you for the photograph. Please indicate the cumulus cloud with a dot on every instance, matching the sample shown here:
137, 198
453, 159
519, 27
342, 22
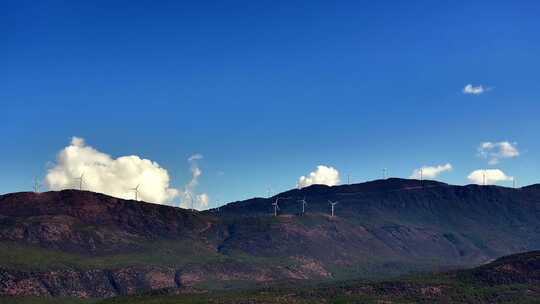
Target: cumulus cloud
190, 199
470, 89
494, 151
112, 176
491, 176
323, 175
430, 171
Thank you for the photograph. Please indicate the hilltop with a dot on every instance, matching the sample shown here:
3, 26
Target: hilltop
85, 244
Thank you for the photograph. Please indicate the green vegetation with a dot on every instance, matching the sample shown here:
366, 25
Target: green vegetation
464, 286
453, 293
159, 253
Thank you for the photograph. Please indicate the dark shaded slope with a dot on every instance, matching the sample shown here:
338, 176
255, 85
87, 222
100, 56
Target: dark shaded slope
390, 221
523, 268
88, 222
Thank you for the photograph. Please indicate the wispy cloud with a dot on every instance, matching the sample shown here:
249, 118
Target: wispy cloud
474, 90
190, 199
430, 171
495, 151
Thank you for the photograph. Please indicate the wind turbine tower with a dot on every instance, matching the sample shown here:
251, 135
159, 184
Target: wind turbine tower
37, 185
333, 204
136, 190
276, 206
80, 179
385, 173
304, 203
190, 200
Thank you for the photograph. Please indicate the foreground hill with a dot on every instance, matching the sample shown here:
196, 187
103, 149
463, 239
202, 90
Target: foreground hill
84, 244
512, 279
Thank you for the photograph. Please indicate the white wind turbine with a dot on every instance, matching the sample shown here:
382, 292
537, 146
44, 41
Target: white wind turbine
304, 203
216, 209
136, 190
268, 191
190, 199
333, 204
37, 185
80, 179
276, 204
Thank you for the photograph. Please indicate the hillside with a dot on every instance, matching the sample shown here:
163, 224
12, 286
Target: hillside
512, 279
84, 244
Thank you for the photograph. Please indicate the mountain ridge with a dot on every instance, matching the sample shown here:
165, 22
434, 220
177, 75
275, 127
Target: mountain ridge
382, 228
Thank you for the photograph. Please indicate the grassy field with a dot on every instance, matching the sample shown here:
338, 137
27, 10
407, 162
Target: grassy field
161, 253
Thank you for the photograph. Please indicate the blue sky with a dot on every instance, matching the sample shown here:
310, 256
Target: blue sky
268, 90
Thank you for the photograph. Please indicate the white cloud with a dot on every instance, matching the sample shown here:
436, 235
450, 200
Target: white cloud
112, 176
189, 197
430, 171
494, 151
196, 156
202, 200
322, 175
492, 176
470, 89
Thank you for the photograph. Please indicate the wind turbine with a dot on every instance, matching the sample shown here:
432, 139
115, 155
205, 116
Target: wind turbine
385, 173
191, 199
484, 177
80, 179
37, 185
304, 203
268, 191
422, 177
136, 189
276, 204
333, 204
216, 209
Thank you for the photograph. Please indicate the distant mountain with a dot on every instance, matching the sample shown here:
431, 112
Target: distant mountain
79, 243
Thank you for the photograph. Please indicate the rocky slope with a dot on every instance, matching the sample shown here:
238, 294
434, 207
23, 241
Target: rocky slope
512, 279
73, 243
